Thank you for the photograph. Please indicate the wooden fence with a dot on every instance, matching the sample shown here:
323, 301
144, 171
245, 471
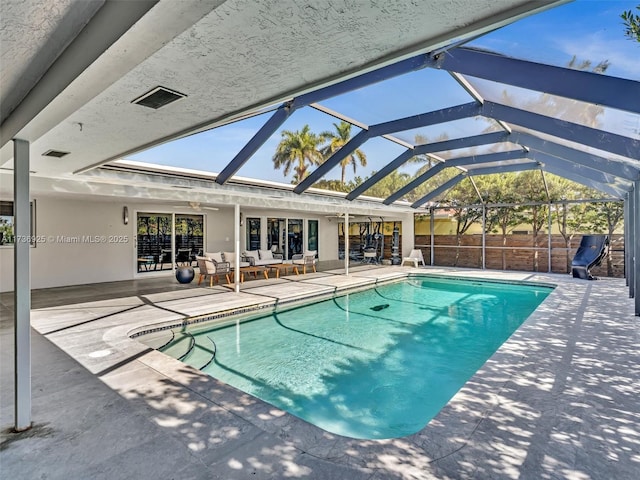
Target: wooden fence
517, 252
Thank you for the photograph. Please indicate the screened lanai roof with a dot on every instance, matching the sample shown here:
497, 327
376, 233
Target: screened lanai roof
465, 109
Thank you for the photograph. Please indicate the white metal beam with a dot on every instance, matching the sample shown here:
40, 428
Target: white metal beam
22, 285
636, 246
346, 243
236, 243
630, 226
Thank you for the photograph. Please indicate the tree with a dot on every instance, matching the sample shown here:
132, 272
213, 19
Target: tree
460, 197
500, 189
571, 218
531, 187
601, 67
606, 218
553, 106
631, 24
337, 139
6, 230
426, 158
335, 185
297, 151
388, 185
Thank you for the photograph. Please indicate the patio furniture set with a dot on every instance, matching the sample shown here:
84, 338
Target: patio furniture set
217, 264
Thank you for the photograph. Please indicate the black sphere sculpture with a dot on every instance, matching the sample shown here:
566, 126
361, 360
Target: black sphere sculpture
185, 274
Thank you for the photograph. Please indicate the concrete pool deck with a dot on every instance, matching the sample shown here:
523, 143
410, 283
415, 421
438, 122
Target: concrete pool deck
558, 400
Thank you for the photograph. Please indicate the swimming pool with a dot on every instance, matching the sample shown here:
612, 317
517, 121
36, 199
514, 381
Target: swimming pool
378, 363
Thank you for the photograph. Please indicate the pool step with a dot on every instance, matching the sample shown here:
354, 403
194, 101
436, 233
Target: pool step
197, 352
159, 339
202, 353
180, 347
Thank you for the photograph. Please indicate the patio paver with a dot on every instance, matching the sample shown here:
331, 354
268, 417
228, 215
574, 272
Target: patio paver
558, 400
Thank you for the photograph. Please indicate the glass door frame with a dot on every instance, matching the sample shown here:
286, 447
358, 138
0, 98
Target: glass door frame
282, 234
172, 215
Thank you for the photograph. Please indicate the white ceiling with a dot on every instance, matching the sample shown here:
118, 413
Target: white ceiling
229, 58
34, 38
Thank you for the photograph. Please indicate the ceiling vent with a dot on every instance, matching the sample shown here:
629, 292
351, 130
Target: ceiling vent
158, 97
54, 153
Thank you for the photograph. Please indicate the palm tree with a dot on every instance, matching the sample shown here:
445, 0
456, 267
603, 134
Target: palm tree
297, 150
337, 139
425, 158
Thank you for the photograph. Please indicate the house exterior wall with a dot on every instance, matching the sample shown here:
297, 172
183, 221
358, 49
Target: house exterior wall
85, 241
77, 242
327, 230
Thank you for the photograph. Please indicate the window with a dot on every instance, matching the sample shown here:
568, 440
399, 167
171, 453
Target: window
7, 223
189, 238
155, 248
295, 235
276, 236
253, 234
312, 243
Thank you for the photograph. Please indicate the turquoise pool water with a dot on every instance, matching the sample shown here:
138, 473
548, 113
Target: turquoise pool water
374, 364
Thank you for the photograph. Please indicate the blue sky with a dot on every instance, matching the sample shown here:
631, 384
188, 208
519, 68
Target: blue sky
590, 29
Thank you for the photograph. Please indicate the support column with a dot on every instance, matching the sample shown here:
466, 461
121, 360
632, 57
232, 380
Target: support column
236, 247
22, 284
484, 236
549, 240
636, 243
627, 243
432, 230
346, 243
174, 251
632, 250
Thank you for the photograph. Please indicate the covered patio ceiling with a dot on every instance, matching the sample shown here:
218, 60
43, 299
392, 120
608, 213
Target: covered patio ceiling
72, 70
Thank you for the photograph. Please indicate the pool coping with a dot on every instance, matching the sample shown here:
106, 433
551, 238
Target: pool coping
286, 425
246, 314
451, 430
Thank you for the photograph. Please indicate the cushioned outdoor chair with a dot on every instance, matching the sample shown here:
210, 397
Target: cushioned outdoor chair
306, 259
212, 269
414, 257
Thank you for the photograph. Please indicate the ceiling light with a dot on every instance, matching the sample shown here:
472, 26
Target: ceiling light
158, 97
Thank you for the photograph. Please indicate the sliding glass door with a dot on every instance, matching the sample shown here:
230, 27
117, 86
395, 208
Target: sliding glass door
295, 237
253, 234
156, 249
312, 232
276, 235
189, 231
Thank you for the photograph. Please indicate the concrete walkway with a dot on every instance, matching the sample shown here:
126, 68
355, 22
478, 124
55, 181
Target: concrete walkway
558, 400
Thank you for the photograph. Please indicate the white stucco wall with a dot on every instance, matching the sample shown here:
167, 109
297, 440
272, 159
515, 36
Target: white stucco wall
80, 242
87, 242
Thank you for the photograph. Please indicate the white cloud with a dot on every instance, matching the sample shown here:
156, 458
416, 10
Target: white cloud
623, 54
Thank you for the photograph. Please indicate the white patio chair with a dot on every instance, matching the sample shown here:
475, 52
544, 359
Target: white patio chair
308, 259
414, 257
